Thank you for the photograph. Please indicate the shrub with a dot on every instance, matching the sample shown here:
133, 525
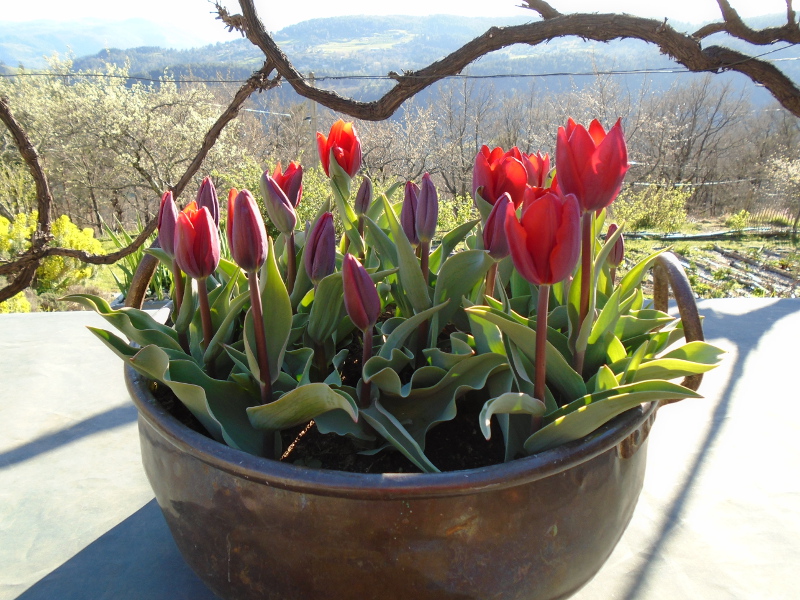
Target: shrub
16, 304
55, 272
738, 221
656, 206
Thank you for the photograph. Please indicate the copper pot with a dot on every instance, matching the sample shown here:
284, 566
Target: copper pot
253, 528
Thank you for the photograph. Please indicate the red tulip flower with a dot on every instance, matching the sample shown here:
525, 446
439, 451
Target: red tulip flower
167, 221
290, 181
496, 173
360, 296
537, 167
591, 164
545, 244
247, 237
343, 142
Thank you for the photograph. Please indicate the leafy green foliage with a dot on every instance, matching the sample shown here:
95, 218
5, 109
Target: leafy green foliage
659, 207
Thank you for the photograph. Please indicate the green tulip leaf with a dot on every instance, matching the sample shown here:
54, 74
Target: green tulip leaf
162, 256
585, 415
411, 279
559, 373
510, 403
394, 432
326, 311
400, 333
340, 184
300, 406
458, 276
640, 322
135, 324
449, 242
430, 397
277, 322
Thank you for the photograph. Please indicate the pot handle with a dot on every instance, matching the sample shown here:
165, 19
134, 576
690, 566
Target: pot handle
669, 274
141, 279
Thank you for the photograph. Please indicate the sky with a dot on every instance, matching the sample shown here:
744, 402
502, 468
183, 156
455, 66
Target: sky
276, 14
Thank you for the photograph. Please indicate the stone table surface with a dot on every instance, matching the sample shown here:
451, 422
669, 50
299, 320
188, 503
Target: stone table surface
718, 518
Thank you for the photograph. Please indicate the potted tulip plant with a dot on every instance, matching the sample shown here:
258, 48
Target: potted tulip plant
402, 349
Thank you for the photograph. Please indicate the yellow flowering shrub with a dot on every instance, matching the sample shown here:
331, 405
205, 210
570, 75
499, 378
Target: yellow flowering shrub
55, 272
15, 304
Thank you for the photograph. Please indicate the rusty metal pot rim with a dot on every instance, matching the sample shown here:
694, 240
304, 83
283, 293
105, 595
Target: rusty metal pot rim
376, 486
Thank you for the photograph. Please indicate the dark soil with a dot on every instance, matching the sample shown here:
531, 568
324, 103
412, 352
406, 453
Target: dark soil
451, 446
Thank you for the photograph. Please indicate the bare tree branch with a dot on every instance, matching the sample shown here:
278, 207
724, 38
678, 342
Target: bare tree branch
44, 197
25, 265
543, 8
683, 48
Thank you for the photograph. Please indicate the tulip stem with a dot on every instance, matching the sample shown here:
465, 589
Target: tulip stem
362, 256
540, 372
291, 263
491, 277
205, 312
177, 277
424, 257
365, 356
612, 276
587, 264
261, 338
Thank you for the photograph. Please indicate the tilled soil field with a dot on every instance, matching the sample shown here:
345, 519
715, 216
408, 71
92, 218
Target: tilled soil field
732, 266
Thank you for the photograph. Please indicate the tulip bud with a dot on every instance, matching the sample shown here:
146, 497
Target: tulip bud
247, 237
290, 181
408, 213
319, 256
363, 197
167, 220
196, 242
618, 251
207, 196
427, 210
494, 232
279, 208
360, 296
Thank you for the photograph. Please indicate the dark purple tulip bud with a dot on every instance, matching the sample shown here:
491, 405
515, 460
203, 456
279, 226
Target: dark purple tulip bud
167, 219
319, 256
427, 210
494, 232
408, 213
196, 242
618, 251
360, 296
363, 197
279, 207
207, 196
247, 237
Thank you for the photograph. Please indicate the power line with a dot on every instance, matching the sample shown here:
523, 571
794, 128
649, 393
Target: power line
613, 72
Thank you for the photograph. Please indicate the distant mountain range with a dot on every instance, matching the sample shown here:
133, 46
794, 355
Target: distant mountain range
354, 45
